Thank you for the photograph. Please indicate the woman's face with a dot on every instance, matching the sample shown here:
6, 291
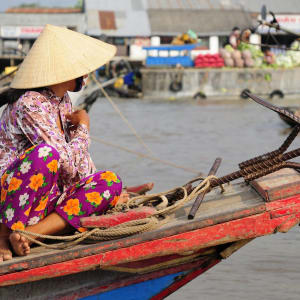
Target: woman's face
61, 88
79, 83
71, 85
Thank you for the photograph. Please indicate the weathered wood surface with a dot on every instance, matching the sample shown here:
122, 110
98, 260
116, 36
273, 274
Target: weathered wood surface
190, 276
234, 247
236, 215
107, 221
278, 185
161, 262
92, 282
236, 198
246, 228
238, 202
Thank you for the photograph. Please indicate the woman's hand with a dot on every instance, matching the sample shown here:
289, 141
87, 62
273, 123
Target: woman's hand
79, 117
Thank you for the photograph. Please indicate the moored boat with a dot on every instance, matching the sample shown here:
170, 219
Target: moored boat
153, 264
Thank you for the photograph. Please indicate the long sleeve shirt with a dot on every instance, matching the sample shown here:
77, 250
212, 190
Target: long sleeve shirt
32, 120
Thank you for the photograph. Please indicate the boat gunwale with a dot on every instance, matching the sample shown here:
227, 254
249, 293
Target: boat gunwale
58, 256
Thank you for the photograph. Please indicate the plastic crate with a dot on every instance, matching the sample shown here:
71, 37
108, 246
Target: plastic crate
184, 61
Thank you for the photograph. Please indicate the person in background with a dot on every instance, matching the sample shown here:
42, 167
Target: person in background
48, 179
234, 37
245, 35
269, 56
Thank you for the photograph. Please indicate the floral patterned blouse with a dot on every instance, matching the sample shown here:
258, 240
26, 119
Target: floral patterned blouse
32, 120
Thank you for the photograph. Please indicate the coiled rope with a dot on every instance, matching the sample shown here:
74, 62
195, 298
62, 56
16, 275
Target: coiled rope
158, 219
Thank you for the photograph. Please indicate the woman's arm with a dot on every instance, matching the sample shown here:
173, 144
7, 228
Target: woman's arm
39, 126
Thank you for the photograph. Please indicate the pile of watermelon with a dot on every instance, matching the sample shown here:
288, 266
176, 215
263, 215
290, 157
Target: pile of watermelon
209, 61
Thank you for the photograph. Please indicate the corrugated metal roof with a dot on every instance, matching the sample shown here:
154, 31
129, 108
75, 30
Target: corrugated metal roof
149, 17
71, 20
126, 5
277, 6
192, 4
42, 10
203, 22
130, 17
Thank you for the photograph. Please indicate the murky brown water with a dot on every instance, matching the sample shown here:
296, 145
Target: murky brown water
194, 135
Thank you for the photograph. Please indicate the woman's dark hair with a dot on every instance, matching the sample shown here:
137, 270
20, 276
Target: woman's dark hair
265, 48
10, 95
79, 84
235, 28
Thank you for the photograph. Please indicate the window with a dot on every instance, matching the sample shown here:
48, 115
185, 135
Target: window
107, 20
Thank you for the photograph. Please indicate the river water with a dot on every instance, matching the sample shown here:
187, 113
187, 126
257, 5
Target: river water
193, 134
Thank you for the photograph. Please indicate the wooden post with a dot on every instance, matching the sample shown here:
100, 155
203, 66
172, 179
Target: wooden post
200, 197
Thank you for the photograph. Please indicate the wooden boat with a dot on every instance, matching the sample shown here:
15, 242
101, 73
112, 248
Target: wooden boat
154, 264
6, 79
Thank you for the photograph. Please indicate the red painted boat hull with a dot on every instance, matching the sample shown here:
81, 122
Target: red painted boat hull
169, 257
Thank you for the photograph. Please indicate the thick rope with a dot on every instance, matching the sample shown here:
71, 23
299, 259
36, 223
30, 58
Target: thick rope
96, 234
131, 227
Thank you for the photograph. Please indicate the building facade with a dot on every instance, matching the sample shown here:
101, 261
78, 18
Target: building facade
20, 27
132, 24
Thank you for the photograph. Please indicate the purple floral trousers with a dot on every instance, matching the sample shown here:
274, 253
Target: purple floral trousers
29, 191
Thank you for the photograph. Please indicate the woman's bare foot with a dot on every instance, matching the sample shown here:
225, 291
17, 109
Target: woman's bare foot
52, 224
5, 253
19, 243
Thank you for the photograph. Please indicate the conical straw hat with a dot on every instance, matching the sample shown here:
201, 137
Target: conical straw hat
59, 55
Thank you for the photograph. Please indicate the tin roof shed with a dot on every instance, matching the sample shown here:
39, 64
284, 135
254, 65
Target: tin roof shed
119, 18
75, 21
163, 17
171, 17
203, 22
215, 17
276, 6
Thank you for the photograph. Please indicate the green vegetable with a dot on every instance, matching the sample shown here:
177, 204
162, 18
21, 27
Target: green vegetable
268, 77
284, 61
228, 48
255, 51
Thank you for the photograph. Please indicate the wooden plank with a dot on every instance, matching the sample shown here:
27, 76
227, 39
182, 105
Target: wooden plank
91, 283
184, 280
240, 229
235, 198
161, 262
290, 223
288, 210
201, 266
294, 200
278, 185
234, 247
110, 220
236, 205
246, 228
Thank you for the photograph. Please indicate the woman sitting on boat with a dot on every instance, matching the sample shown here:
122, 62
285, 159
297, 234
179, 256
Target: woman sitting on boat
48, 180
